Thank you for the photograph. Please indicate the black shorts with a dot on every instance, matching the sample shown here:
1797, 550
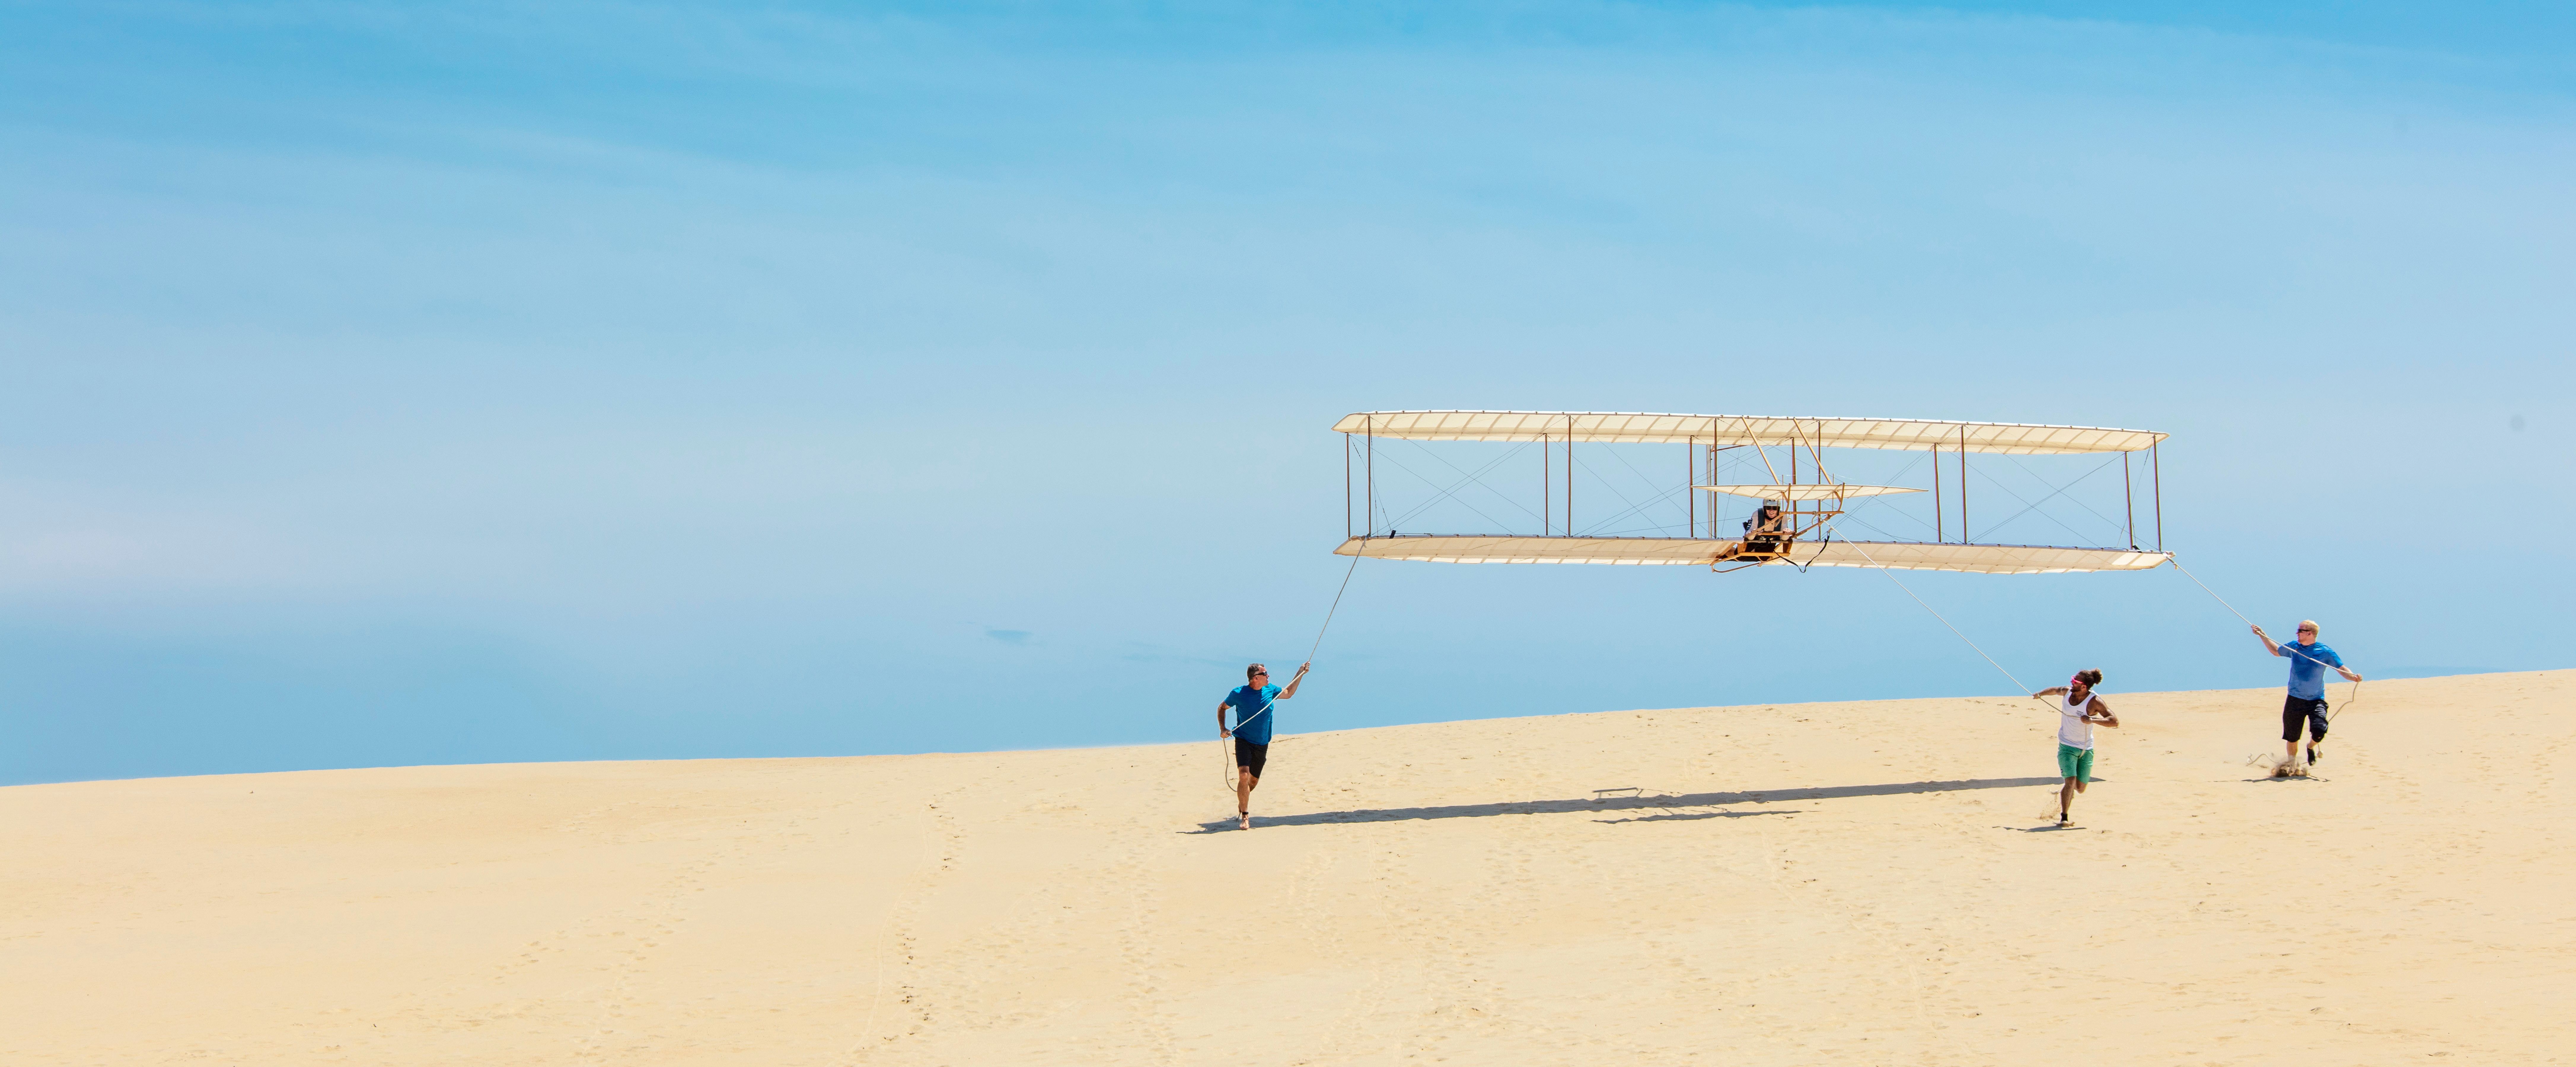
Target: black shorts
1250, 756
2303, 710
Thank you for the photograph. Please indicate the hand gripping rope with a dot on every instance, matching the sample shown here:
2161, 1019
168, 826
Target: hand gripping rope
1225, 745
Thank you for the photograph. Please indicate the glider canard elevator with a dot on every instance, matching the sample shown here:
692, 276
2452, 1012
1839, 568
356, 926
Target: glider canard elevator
1784, 460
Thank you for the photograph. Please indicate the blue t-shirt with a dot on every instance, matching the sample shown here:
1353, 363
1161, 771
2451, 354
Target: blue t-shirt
2307, 676
1247, 702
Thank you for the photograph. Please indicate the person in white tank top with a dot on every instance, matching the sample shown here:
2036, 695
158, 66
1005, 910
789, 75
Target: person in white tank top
2078, 711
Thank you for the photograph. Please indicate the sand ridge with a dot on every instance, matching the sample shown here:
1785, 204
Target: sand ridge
1865, 882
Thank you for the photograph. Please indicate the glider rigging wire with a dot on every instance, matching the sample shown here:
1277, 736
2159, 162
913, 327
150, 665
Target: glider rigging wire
2060, 491
1451, 492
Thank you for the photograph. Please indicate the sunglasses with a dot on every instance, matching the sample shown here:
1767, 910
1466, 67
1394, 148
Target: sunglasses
1261, 674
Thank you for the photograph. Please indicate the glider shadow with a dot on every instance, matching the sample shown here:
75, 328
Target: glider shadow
1627, 803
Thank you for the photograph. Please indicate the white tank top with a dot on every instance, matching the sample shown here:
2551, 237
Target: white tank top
2072, 730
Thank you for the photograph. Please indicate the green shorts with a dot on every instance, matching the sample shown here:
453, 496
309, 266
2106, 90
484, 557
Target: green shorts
2075, 763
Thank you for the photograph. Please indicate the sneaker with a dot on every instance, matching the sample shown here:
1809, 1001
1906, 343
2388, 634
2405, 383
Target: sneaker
2315, 754
2065, 821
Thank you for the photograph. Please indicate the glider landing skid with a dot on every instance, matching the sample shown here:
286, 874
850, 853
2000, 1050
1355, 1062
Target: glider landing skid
1756, 552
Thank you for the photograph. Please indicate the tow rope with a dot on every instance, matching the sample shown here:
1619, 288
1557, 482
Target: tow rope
2290, 648
1225, 745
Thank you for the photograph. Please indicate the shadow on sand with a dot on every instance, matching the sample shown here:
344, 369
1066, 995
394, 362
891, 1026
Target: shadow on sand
1660, 805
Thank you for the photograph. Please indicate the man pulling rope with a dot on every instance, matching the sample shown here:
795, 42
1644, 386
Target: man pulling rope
2306, 703
1251, 733
1253, 700
2309, 706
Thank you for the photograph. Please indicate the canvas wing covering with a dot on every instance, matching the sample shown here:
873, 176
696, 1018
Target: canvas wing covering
1641, 551
1631, 427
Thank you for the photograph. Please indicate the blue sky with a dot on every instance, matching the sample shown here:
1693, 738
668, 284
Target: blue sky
410, 384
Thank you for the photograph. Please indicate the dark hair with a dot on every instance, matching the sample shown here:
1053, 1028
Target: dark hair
2091, 678
1248, 669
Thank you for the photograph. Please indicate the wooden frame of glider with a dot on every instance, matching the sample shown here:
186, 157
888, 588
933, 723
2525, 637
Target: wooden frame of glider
1811, 503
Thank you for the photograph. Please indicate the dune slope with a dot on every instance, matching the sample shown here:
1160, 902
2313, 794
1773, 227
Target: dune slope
1789, 884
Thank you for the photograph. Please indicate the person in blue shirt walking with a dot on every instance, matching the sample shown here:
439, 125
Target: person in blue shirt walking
1252, 704
2309, 659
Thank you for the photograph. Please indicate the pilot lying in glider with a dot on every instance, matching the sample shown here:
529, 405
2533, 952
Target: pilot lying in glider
1761, 532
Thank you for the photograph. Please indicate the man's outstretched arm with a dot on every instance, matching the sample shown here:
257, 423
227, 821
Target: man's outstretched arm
2269, 645
1293, 683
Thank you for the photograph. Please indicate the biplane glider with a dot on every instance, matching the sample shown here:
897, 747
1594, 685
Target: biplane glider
1802, 483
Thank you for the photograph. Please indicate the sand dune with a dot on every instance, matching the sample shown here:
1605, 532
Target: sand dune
1790, 884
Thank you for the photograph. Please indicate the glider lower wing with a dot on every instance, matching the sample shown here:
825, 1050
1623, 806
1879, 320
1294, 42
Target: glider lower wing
1894, 555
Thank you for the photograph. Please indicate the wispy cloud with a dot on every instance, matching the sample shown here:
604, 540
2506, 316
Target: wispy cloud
694, 347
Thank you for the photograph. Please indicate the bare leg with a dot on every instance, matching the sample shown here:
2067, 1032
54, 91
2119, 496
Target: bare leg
1243, 786
2066, 796
2290, 752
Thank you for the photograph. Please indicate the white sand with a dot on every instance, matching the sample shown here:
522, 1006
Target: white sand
1796, 884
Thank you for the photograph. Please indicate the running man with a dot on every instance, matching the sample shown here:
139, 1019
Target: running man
1252, 718
2076, 717
2309, 659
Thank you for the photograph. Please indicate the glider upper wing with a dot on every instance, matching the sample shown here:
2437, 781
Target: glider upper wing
1622, 427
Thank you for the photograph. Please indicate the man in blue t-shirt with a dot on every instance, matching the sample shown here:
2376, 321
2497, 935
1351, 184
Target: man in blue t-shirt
1251, 733
2309, 659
